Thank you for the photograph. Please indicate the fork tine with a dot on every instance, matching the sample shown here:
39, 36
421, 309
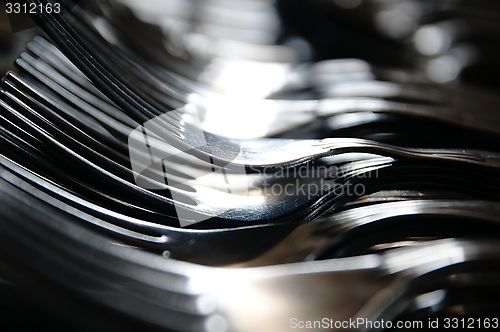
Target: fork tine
88, 59
87, 93
125, 95
47, 52
146, 230
41, 66
140, 272
92, 106
126, 185
160, 296
74, 96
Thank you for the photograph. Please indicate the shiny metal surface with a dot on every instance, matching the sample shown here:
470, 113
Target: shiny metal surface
257, 165
180, 135
213, 297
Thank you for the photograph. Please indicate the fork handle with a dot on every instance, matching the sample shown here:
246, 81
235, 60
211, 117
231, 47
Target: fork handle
347, 145
459, 113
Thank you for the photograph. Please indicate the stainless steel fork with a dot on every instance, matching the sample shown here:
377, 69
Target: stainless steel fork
255, 153
182, 296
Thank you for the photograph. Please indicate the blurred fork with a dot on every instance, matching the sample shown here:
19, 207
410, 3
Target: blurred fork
270, 243
187, 297
250, 209
108, 122
212, 106
276, 153
99, 108
382, 225
213, 24
185, 193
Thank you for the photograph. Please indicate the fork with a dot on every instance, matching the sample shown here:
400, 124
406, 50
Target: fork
287, 114
87, 155
281, 115
64, 82
183, 296
211, 208
279, 152
182, 307
289, 241
242, 208
379, 226
29, 64
185, 194
203, 205
306, 106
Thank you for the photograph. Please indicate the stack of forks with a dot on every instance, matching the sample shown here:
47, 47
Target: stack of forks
185, 165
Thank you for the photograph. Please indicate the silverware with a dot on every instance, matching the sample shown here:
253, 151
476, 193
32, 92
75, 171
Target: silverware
277, 152
183, 296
